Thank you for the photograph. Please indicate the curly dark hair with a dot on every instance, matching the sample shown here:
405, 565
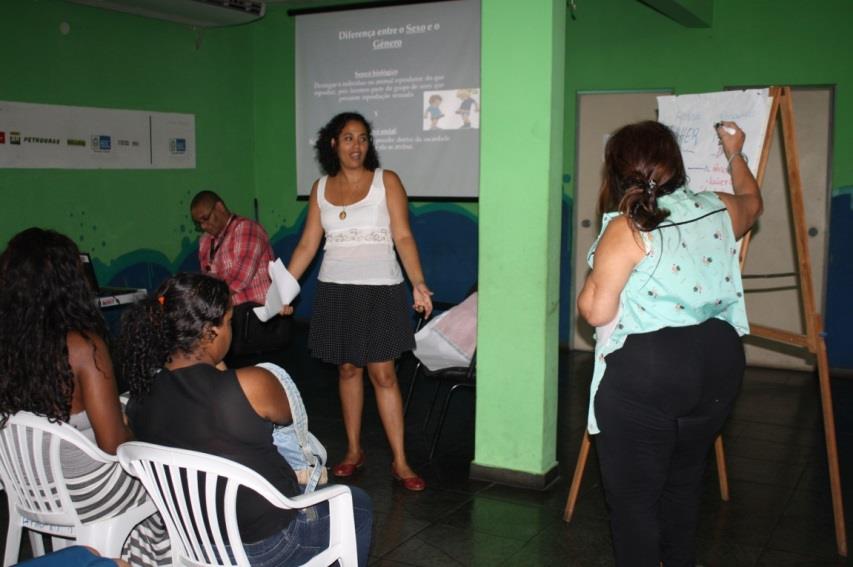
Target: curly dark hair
642, 162
43, 296
175, 320
326, 155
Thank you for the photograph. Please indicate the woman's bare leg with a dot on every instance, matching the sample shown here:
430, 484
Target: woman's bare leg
390, 404
351, 389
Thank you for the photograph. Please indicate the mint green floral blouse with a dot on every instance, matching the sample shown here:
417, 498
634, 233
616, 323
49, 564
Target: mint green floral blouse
689, 275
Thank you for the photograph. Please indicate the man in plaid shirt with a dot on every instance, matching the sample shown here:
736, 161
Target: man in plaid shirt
232, 248
237, 250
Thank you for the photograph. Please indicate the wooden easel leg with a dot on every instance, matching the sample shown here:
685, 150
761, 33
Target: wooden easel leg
722, 474
831, 446
814, 322
575, 488
583, 456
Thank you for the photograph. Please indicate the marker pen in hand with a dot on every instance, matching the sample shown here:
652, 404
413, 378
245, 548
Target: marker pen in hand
728, 130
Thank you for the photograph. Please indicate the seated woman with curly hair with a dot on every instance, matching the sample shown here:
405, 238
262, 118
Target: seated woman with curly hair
181, 395
54, 362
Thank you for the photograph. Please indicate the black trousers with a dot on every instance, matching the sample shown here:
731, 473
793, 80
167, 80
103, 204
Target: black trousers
250, 338
663, 398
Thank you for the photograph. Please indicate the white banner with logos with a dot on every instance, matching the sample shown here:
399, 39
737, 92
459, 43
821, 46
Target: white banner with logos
46, 136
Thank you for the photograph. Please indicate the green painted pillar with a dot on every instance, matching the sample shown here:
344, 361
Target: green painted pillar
523, 54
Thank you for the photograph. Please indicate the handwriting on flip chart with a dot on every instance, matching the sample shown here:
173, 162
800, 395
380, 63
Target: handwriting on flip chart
692, 118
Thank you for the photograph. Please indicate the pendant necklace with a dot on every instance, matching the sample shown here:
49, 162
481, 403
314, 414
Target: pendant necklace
343, 214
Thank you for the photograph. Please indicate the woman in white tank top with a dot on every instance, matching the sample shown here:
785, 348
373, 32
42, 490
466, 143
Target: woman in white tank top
361, 316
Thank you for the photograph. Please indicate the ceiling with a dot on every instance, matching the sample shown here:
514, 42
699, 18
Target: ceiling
310, 3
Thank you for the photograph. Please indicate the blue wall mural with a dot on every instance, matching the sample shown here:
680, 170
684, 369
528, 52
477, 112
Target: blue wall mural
839, 285
447, 241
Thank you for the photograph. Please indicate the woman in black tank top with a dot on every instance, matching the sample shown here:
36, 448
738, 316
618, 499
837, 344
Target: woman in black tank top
183, 396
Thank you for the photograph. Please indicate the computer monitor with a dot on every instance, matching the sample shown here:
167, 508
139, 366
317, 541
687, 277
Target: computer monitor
92, 279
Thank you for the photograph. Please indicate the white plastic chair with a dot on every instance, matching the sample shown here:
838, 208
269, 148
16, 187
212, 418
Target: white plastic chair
175, 478
86, 509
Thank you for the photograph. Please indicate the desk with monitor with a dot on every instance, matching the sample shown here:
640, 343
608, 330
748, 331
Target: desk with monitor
109, 296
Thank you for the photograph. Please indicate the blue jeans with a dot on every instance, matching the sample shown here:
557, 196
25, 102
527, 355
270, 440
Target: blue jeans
308, 534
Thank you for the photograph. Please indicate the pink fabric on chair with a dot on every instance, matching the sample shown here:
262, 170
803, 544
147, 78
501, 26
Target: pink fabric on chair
449, 339
459, 326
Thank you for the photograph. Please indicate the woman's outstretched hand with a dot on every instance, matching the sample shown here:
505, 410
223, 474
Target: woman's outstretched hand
423, 300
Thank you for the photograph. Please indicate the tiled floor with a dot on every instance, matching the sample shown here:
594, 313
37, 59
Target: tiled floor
779, 513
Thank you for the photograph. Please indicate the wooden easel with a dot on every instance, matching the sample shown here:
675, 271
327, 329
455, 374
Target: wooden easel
812, 340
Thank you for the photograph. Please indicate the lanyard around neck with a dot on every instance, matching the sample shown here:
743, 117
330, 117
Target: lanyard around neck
217, 243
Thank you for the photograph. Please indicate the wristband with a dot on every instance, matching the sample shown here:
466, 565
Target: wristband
733, 156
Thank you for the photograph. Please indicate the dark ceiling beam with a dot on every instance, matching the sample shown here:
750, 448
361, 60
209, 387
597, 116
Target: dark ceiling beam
688, 13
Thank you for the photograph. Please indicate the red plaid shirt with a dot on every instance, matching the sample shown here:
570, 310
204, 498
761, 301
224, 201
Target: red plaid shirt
240, 255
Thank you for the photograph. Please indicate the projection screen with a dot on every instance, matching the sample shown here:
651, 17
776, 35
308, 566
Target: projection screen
414, 72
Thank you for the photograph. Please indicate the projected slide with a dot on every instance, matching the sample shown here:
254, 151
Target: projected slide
414, 72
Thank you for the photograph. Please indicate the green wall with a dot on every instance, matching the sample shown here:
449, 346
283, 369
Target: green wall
123, 61
626, 45
275, 121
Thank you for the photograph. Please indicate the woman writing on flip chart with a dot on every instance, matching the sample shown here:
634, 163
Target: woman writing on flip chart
665, 293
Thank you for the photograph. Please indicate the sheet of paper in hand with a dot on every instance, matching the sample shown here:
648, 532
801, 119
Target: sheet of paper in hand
282, 291
692, 118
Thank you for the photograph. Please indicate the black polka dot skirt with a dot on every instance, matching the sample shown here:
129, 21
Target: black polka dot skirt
360, 323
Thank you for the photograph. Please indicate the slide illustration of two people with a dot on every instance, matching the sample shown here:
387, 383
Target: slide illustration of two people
464, 118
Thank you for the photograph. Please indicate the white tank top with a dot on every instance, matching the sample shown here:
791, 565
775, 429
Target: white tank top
359, 248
